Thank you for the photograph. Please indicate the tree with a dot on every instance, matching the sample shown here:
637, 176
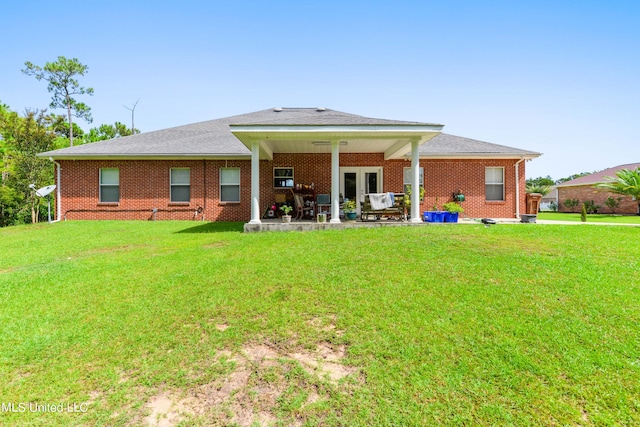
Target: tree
626, 183
26, 136
547, 181
63, 86
104, 132
538, 188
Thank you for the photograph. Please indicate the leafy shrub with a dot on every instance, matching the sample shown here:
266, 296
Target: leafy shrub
591, 207
613, 203
571, 203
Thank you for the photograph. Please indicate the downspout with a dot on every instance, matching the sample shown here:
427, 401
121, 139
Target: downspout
204, 210
58, 198
517, 165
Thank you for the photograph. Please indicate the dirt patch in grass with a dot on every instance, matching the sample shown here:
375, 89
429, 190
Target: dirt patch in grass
215, 245
165, 411
222, 327
264, 385
326, 325
112, 249
324, 362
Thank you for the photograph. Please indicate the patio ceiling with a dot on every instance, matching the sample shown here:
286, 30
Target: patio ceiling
393, 140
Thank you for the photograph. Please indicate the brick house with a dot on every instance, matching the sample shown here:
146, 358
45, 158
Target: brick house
583, 189
235, 168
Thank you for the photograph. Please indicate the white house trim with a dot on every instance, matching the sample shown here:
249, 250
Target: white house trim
255, 183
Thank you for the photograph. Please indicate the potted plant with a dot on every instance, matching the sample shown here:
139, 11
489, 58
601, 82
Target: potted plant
452, 210
286, 210
349, 208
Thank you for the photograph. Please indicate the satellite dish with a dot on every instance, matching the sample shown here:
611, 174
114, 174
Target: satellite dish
45, 191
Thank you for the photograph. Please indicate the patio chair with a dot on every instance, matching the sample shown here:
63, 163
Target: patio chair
301, 209
323, 204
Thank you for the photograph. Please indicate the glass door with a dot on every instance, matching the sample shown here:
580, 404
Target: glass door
356, 182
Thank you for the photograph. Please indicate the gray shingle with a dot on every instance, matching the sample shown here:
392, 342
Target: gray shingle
213, 137
451, 145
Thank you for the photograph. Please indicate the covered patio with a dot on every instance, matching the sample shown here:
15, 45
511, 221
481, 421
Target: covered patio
335, 134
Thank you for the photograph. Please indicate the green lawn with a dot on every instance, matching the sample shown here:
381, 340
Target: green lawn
617, 219
438, 325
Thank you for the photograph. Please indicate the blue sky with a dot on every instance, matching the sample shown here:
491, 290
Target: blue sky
557, 77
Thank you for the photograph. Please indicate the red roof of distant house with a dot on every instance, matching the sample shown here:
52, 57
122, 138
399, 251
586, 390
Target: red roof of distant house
598, 177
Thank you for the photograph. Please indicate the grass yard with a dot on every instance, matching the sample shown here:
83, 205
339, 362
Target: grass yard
616, 219
138, 323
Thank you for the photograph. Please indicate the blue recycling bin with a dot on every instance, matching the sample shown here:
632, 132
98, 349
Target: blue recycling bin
433, 216
451, 217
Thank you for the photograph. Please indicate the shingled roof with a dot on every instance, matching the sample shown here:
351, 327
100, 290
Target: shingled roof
451, 146
598, 177
213, 138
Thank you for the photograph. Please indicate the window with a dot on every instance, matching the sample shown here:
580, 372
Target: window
407, 180
494, 184
229, 184
180, 185
283, 177
109, 185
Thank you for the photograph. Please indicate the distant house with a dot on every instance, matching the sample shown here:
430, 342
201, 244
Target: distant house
236, 168
583, 189
549, 200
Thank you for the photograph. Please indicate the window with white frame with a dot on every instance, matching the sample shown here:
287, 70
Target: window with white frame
494, 184
180, 185
109, 185
229, 184
407, 180
283, 177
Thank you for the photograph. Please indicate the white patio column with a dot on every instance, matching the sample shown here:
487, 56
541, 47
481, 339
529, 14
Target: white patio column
335, 182
415, 182
255, 183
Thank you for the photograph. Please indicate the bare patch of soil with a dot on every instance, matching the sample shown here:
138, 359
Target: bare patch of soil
166, 411
324, 362
260, 377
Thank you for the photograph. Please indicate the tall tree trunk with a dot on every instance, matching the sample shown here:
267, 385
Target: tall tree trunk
70, 125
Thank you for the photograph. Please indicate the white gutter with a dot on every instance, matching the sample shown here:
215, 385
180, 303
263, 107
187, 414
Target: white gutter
58, 198
517, 165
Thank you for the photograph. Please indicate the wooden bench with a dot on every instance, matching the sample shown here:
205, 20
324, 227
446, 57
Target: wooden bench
397, 210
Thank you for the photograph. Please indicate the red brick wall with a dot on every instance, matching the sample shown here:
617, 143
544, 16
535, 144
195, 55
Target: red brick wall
144, 185
443, 177
587, 192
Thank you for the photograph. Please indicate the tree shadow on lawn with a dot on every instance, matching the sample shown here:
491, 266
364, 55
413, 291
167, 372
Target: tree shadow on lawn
215, 227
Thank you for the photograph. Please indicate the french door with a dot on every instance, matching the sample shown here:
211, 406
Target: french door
356, 182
